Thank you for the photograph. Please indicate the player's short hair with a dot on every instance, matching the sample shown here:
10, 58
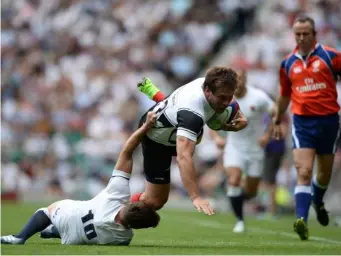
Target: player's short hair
138, 215
305, 18
221, 77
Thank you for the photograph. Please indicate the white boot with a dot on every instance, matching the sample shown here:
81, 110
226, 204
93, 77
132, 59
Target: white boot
239, 227
11, 240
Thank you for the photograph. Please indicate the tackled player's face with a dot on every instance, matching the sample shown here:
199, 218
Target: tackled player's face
304, 35
220, 99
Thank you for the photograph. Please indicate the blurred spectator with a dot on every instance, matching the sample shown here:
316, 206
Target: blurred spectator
69, 75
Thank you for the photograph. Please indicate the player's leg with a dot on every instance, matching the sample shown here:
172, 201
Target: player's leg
272, 163
157, 162
304, 138
155, 195
234, 164
254, 171
236, 196
325, 158
320, 185
50, 231
38, 222
304, 162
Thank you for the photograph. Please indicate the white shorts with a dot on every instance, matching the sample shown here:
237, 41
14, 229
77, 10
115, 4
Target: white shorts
251, 166
64, 218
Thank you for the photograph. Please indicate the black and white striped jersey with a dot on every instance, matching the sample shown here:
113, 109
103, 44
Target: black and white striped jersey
183, 113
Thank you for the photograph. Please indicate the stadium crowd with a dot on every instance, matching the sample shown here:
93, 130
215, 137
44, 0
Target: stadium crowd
70, 69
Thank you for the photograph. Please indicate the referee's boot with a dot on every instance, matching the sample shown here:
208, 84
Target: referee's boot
321, 214
301, 228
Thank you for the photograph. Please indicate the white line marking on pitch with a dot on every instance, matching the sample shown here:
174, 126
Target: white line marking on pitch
218, 225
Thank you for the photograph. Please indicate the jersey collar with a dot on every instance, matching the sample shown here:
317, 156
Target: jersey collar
298, 55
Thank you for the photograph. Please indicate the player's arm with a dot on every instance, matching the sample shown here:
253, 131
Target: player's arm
125, 159
190, 124
282, 104
268, 107
283, 100
185, 150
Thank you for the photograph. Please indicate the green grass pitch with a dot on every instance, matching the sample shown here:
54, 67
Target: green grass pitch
183, 232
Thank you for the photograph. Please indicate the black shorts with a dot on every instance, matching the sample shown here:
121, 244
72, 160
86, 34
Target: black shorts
157, 159
272, 162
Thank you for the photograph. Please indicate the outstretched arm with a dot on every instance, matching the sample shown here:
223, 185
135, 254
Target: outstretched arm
185, 149
281, 107
125, 159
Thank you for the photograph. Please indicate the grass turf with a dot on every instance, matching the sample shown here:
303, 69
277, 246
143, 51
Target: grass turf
183, 232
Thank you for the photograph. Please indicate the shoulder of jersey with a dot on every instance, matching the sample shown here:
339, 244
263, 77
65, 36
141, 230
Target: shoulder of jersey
331, 49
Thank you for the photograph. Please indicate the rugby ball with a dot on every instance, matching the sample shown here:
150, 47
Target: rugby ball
217, 120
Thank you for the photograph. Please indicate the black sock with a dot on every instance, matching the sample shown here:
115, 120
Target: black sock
38, 222
237, 205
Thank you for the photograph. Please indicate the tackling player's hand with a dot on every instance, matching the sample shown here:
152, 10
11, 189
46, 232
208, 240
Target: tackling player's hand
235, 125
202, 205
150, 120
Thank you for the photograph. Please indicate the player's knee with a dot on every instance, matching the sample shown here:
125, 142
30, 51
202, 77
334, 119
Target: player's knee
234, 177
304, 174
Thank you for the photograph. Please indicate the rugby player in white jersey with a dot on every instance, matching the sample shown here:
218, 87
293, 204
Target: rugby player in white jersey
244, 151
108, 218
180, 120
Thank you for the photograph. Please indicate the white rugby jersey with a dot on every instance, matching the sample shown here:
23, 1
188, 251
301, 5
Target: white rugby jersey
94, 221
254, 105
183, 113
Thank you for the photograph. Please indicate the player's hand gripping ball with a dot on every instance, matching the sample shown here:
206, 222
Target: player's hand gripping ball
218, 120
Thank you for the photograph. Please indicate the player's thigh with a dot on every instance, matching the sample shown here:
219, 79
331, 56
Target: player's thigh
254, 167
304, 132
253, 175
157, 160
329, 131
59, 214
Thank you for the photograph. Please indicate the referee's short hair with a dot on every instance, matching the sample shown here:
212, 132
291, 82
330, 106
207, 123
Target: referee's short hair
305, 18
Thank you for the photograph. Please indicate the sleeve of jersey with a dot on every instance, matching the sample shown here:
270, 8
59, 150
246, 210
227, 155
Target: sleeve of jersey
190, 124
118, 185
284, 81
336, 61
